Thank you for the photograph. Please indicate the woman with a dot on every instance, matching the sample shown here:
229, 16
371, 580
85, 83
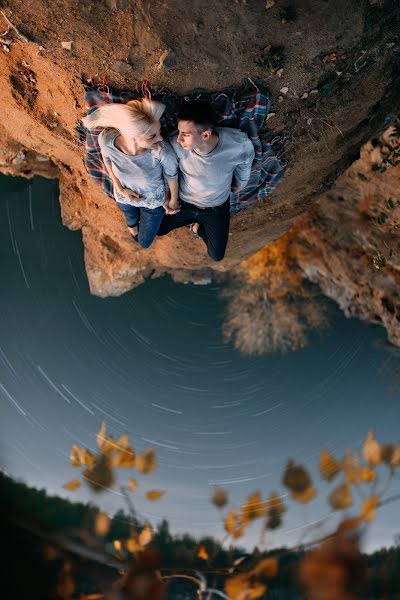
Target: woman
138, 161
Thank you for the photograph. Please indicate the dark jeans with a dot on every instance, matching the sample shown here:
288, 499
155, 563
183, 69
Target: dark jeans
147, 219
214, 225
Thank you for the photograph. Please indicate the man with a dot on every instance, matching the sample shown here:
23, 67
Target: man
213, 161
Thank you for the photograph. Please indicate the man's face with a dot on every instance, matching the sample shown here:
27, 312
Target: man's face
192, 136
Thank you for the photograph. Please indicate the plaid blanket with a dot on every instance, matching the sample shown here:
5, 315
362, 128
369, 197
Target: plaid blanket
244, 108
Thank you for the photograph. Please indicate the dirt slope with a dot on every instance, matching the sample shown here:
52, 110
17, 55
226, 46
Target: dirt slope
348, 51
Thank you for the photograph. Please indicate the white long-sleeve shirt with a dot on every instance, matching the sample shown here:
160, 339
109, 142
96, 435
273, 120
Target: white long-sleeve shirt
207, 180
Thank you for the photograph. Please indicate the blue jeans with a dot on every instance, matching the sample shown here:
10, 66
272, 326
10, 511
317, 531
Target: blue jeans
148, 221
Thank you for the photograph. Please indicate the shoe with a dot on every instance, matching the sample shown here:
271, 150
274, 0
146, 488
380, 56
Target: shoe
135, 237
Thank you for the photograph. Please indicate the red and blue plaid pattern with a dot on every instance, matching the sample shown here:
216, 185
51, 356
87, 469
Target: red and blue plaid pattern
244, 108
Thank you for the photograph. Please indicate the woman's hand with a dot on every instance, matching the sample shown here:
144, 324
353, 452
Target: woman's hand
129, 194
171, 207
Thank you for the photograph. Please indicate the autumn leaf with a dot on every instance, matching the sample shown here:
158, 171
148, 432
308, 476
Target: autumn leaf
154, 494
80, 457
101, 436
220, 497
395, 461
146, 535
239, 587
146, 462
306, 496
102, 524
341, 497
296, 478
253, 508
371, 449
232, 524
328, 466
369, 507
117, 545
133, 545
275, 510
100, 475
268, 567
347, 524
123, 441
366, 475
202, 553
72, 485
124, 459
133, 484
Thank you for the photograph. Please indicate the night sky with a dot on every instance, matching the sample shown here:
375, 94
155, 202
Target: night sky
153, 364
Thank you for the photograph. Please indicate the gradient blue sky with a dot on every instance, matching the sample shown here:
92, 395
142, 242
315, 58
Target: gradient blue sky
153, 364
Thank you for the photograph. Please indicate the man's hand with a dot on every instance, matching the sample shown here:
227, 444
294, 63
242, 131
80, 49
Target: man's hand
171, 207
129, 194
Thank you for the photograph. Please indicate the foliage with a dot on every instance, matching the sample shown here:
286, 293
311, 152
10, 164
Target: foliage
270, 307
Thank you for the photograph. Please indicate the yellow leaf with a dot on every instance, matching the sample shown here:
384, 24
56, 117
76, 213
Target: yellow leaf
101, 436
304, 497
72, 485
123, 441
117, 545
146, 462
275, 502
366, 474
268, 567
146, 535
296, 478
231, 521
341, 497
80, 457
347, 524
237, 533
239, 587
133, 484
328, 466
395, 462
371, 449
253, 508
202, 553
369, 507
124, 459
154, 494
133, 545
102, 524
220, 497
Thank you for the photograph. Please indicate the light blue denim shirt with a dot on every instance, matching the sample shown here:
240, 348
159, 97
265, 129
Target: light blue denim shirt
143, 173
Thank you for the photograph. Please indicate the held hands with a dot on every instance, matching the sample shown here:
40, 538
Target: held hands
171, 207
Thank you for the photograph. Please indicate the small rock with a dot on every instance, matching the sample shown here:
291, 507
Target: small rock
305, 95
284, 90
167, 59
270, 3
314, 91
121, 66
309, 121
19, 158
66, 45
270, 115
280, 98
279, 72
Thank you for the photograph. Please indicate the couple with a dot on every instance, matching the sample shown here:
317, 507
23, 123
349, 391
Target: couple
202, 164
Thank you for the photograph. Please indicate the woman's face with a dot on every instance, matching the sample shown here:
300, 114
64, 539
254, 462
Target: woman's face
151, 138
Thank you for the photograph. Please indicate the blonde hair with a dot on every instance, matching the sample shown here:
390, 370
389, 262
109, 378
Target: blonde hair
132, 119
